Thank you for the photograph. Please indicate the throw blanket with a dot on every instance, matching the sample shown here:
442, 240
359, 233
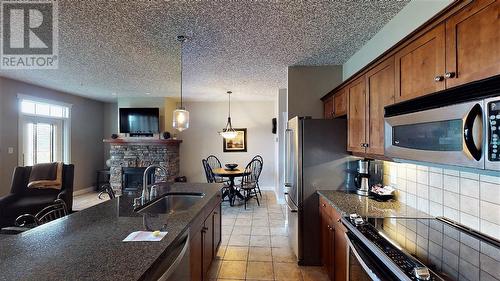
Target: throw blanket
48, 175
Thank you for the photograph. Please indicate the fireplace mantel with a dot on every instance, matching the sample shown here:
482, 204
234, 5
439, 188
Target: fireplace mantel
143, 141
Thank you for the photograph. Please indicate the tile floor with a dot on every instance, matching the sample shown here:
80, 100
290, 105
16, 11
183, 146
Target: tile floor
255, 245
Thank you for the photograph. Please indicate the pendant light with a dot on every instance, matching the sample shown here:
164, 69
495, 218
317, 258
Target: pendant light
228, 132
181, 115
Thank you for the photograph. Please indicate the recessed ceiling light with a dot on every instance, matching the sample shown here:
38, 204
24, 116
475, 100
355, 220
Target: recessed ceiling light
113, 94
148, 94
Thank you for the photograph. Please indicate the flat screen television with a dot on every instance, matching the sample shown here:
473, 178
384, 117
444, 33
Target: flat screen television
139, 121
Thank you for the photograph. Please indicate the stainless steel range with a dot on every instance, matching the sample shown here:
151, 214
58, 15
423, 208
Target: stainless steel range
419, 249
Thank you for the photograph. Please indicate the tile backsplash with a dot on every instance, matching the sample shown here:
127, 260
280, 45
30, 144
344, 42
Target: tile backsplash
469, 198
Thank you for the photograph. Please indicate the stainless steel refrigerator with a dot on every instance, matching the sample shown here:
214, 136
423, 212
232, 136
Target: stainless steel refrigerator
316, 158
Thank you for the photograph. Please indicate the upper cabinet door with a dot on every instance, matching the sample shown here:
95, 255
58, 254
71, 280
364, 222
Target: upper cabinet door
356, 120
340, 102
420, 66
328, 108
380, 93
473, 43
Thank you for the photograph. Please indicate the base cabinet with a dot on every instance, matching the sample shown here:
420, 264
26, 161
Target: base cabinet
205, 241
333, 242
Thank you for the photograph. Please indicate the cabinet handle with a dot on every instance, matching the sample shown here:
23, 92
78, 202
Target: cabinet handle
338, 220
215, 213
205, 228
438, 78
324, 205
449, 75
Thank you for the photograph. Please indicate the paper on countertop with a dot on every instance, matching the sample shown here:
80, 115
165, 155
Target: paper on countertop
137, 236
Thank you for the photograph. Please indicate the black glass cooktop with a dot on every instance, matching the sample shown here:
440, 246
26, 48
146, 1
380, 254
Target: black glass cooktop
450, 252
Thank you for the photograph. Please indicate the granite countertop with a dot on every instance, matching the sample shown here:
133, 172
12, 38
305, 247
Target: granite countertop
87, 245
349, 203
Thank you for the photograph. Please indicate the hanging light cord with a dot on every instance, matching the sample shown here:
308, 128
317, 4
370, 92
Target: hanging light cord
182, 44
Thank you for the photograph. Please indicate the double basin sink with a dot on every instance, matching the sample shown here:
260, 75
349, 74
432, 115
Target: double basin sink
171, 203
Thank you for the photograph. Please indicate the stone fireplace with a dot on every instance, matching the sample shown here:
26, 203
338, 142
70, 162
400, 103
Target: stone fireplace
129, 158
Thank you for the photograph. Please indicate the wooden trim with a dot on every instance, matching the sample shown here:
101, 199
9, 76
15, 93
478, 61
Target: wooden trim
144, 141
372, 156
440, 17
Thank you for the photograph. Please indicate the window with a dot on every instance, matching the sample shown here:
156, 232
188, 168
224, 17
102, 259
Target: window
44, 131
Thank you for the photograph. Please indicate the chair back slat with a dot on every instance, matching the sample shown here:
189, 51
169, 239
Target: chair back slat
52, 212
214, 162
253, 170
208, 171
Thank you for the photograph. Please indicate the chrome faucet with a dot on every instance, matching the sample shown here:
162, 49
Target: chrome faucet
146, 194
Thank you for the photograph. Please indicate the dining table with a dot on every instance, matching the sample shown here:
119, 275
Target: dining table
231, 174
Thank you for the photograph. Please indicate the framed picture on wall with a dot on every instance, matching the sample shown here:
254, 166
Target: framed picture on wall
238, 144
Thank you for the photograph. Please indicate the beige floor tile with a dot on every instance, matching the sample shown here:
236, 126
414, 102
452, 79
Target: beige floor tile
260, 241
220, 252
242, 222
239, 240
260, 271
280, 223
283, 255
224, 239
260, 254
260, 230
314, 273
228, 222
213, 272
277, 230
242, 230
279, 241
236, 253
260, 222
233, 270
226, 229
287, 272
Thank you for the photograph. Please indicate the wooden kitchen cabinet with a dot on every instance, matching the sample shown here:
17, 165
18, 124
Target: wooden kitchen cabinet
473, 43
333, 241
340, 248
328, 108
356, 116
205, 240
420, 66
379, 93
340, 103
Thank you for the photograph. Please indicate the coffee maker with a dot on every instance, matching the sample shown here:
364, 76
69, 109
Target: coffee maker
369, 172
362, 177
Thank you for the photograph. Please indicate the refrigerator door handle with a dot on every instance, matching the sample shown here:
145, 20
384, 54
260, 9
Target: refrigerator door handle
291, 206
288, 151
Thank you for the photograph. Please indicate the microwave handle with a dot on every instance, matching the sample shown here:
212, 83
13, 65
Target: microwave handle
476, 111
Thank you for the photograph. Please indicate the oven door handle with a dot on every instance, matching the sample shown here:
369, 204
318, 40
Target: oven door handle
368, 271
469, 123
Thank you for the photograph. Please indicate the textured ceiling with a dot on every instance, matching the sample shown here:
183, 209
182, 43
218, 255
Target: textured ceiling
129, 47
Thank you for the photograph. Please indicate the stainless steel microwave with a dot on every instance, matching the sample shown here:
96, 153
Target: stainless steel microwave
464, 134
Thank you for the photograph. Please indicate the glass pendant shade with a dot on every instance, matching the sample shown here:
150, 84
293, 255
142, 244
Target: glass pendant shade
181, 119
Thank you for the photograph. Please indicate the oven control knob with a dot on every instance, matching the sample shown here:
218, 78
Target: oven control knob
353, 216
358, 221
422, 273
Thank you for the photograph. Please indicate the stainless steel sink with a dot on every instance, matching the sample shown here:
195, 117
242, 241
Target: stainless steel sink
171, 203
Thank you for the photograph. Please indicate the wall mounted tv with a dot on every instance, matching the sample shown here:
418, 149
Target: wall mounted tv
139, 121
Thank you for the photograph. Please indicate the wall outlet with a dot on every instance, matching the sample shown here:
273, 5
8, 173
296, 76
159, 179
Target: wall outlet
10, 150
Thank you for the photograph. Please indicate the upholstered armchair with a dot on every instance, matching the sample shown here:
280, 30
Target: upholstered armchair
23, 200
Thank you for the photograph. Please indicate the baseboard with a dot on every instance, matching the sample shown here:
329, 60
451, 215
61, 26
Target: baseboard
83, 191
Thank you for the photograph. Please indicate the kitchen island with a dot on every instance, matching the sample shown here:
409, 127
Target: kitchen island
87, 245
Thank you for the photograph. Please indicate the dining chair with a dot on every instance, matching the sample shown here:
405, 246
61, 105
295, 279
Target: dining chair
262, 162
214, 163
208, 171
107, 189
28, 221
250, 180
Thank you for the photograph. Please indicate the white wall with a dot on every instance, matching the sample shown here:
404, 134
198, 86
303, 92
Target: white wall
202, 139
413, 15
307, 84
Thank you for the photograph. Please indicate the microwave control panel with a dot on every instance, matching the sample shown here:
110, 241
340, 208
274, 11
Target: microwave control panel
494, 131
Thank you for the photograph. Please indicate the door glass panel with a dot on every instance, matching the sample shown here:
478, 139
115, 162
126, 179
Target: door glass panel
43, 143
435, 136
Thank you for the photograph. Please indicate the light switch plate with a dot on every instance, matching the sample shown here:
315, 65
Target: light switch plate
10, 150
